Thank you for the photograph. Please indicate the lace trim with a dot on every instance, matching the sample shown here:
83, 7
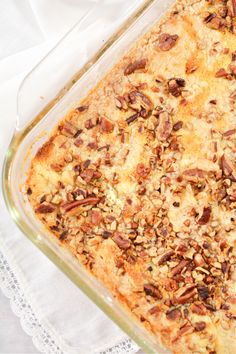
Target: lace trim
42, 337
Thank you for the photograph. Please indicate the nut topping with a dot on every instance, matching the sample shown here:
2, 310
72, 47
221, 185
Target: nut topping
136, 65
153, 291
167, 41
173, 315
165, 126
45, 208
185, 294
121, 241
165, 257
67, 207
204, 219
175, 86
107, 125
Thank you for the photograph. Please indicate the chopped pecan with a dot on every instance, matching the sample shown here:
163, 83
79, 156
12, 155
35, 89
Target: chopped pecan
185, 329
140, 103
185, 294
132, 118
203, 292
87, 175
107, 125
221, 73
121, 103
233, 95
214, 22
68, 129
63, 235
194, 174
78, 142
142, 171
96, 217
121, 241
200, 326
198, 308
153, 291
175, 86
165, 126
198, 260
165, 257
29, 191
173, 315
106, 234
232, 68
229, 132
178, 269
136, 65
203, 220
233, 7
91, 123
167, 41
178, 125
209, 17
227, 168
82, 108
191, 65
67, 207
45, 208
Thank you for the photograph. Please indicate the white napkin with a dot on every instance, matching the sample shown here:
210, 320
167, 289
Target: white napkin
62, 313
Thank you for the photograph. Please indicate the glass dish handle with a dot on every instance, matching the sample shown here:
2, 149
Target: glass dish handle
53, 73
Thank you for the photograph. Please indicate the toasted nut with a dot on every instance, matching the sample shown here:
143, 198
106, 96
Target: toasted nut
121, 241
167, 41
136, 65
153, 291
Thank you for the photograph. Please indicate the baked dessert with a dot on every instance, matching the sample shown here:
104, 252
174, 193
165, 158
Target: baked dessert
139, 181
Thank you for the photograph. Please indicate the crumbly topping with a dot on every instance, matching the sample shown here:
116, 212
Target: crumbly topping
138, 181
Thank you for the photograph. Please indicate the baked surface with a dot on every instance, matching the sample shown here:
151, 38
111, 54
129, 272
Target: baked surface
138, 182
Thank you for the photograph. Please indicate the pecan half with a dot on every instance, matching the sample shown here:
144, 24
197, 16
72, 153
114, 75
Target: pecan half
45, 208
185, 294
121, 241
178, 269
67, 207
136, 65
205, 216
165, 126
139, 102
175, 86
106, 125
167, 41
153, 291
165, 257
173, 315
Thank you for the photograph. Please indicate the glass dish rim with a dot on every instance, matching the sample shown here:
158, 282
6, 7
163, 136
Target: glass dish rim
18, 137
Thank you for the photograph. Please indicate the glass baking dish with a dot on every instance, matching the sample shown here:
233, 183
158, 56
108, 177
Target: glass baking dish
53, 87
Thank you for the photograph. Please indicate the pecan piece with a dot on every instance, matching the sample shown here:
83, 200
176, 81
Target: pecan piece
227, 168
205, 216
194, 174
198, 260
45, 208
82, 108
132, 118
191, 65
165, 126
67, 207
106, 125
203, 292
221, 73
173, 315
68, 129
175, 86
200, 326
136, 65
198, 308
167, 41
178, 269
121, 241
121, 103
178, 125
229, 132
165, 257
185, 294
233, 7
153, 291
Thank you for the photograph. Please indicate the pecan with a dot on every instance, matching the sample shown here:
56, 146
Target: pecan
142, 171
78, 142
198, 308
68, 129
45, 208
232, 68
221, 73
29, 191
227, 168
178, 269
203, 292
121, 241
209, 17
136, 65
140, 103
165, 126
213, 21
200, 326
87, 175
178, 125
233, 95
67, 207
185, 329
175, 86
121, 103
106, 234
167, 41
82, 108
205, 216
173, 315
198, 260
91, 123
63, 235
194, 174
96, 217
153, 291
132, 118
233, 7
185, 294
107, 125
165, 257
229, 132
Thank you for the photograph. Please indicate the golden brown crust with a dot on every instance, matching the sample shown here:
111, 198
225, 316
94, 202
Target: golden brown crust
138, 182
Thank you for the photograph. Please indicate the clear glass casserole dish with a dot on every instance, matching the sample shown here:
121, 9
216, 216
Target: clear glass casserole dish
53, 87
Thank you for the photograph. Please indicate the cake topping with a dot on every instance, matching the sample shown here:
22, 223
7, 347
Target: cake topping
136, 65
167, 41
